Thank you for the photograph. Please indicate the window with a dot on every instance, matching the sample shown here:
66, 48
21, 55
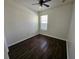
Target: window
43, 22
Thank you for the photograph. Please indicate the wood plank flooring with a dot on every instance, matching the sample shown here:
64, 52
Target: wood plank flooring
39, 47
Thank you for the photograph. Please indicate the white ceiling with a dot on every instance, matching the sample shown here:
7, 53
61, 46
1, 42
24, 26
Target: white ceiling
28, 3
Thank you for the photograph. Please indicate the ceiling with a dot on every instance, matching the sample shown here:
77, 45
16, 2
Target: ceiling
28, 4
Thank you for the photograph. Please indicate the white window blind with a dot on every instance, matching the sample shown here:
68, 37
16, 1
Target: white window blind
43, 22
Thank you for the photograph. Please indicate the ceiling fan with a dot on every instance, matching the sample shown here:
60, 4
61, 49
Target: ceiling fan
42, 2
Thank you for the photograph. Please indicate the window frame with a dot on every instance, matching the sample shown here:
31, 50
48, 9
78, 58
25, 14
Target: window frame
43, 22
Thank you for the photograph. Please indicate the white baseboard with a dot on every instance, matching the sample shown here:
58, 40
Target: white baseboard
67, 49
54, 37
21, 40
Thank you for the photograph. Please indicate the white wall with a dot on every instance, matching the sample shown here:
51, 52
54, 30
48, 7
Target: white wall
20, 22
5, 53
58, 21
5, 50
71, 36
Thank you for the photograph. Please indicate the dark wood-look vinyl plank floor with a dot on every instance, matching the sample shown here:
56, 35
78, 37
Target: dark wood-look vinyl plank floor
39, 47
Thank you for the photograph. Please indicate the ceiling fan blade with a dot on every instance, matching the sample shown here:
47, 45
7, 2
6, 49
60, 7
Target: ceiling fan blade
46, 5
35, 4
63, 0
44, 1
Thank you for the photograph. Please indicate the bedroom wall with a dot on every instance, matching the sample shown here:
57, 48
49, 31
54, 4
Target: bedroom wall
71, 36
58, 21
5, 53
5, 50
20, 22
